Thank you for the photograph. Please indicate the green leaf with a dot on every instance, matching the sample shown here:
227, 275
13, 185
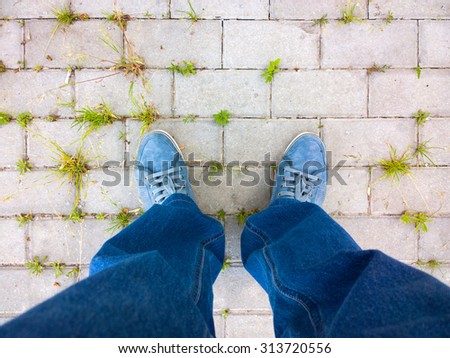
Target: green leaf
222, 118
270, 71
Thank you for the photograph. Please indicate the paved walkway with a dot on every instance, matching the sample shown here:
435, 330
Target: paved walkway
324, 87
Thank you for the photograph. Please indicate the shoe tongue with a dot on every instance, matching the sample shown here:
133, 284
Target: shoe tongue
165, 165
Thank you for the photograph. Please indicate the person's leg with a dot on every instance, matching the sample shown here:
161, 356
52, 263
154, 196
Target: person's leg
319, 282
153, 279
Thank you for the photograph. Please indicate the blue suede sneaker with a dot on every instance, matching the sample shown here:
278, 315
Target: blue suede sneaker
302, 172
160, 170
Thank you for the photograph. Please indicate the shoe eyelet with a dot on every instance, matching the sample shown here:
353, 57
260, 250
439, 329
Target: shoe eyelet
279, 195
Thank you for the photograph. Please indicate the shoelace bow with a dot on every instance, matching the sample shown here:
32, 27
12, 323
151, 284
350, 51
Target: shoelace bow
298, 185
166, 183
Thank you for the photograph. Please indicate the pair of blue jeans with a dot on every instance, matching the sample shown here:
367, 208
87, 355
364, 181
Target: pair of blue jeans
155, 277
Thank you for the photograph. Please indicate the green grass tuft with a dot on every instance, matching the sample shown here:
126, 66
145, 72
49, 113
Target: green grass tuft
4, 118
58, 267
190, 118
36, 266
94, 118
121, 220
431, 264
377, 68
421, 117
186, 69
423, 152
222, 118
321, 22
192, 14
419, 220
71, 168
226, 264
65, 16
418, 70
221, 215
270, 71
225, 313
390, 16
23, 119
74, 273
396, 166
23, 166
119, 18
101, 216
22, 219
147, 115
349, 15
76, 216
242, 215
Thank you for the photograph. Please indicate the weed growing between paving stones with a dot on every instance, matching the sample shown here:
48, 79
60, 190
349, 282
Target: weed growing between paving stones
225, 313
423, 152
76, 216
349, 15
65, 16
190, 118
191, 13
396, 166
186, 69
130, 63
71, 168
121, 220
388, 19
421, 117
23, 166
22, 219
23, 119
222, 118
431, 264
5, 118
119, 18
321, 22
221, 215
58, 267
36, 266
52, 118
270, 71
226, 264
242, 215
418, 70
377, 68
146, 113
74, 273
94, 117
38, 68
419, 220
2, 67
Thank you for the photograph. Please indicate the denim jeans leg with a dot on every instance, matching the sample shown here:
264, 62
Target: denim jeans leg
321, 284
153, 279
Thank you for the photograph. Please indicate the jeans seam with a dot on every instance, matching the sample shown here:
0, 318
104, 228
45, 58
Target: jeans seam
277, 282
198, 275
